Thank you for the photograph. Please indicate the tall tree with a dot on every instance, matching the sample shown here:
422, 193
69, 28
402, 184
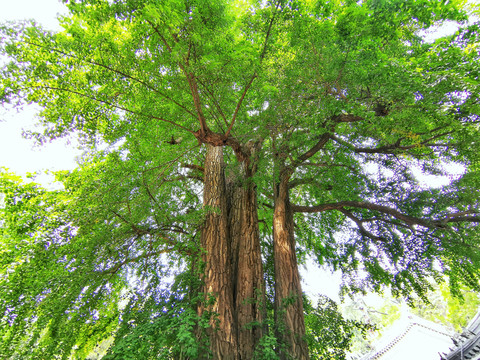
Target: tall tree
224, 139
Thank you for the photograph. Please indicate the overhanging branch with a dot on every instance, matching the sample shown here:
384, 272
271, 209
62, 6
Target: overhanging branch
108, 103
118, 72
396, 146
361, 228
115, 268
407, 219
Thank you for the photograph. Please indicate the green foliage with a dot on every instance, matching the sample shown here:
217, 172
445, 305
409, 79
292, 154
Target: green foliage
163, 329
447, 309
266, 349
329, 334
345, 94
49, 291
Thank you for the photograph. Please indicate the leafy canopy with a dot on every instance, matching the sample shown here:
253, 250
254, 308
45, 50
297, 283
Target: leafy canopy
345, 95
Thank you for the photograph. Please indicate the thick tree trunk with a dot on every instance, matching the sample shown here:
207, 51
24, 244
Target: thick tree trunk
289, 317
249, 289
233, 264
218, 270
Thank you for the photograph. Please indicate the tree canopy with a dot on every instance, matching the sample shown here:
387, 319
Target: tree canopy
225, 141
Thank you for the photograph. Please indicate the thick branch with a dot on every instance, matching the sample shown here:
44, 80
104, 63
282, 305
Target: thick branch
316, 148
395, 147
347, 118
309, 181
194, 167
327, 136
409, 220
473, 219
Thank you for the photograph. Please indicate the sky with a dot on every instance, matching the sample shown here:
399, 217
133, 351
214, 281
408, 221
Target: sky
18, 154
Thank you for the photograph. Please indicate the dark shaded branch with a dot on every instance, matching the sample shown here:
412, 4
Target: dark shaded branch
395, 147
138, 231
387, 221
327, 136
474, 219
407, 219
150, 195
183, 177
267, 205
347, 118
176, 229
361, 228
153, 232
308, 181
316, 148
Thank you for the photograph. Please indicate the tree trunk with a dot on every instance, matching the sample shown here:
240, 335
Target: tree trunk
233, 263
218, 271
288, 305
249, 288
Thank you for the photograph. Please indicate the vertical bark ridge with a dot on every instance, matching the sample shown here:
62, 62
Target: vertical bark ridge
218, 272
249, 289
288, 305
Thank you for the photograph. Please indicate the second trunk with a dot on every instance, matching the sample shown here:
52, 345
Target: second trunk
288, 305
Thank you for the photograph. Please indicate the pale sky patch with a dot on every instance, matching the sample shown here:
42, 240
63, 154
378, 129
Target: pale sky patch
18, 154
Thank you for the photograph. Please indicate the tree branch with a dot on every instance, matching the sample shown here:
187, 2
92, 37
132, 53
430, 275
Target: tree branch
317, 147
360, 226
347, 118
191, 83
308, 181
108, 103
239, 104
215, 102
119, 72
194, 167
262, 56
393, 148
407, 219
115, 268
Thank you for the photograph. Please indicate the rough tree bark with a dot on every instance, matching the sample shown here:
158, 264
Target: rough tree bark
218, 272
289, 318
249, 289
233, 265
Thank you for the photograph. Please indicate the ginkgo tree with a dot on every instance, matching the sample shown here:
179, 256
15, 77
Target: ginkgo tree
224, 142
